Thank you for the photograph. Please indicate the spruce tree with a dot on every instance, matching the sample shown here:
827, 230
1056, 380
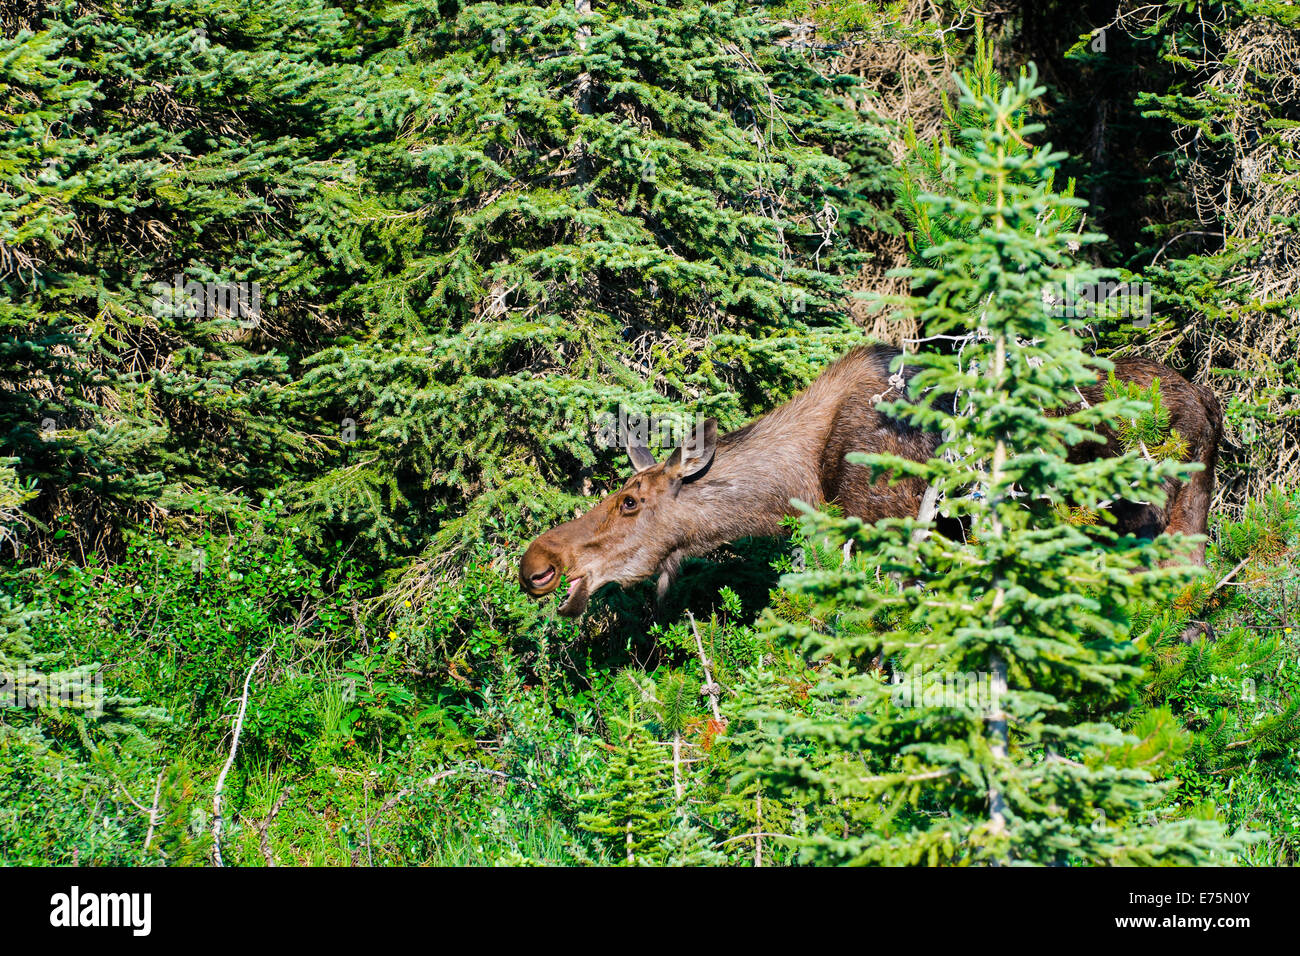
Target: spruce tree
635, 804
1220, 89
1008, 648
160, 187
584, 208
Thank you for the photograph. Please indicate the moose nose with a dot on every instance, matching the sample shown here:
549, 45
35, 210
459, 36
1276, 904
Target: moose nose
537, 571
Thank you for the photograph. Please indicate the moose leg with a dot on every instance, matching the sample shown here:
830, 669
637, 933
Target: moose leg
1189, 513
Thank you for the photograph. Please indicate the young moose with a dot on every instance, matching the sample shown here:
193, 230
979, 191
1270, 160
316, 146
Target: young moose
740, 484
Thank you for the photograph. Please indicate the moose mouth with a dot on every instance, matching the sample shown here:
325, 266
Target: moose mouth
548, 582
541, 580
576, 600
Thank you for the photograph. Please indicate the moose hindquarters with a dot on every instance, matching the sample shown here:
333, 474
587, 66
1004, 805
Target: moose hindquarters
1195, 414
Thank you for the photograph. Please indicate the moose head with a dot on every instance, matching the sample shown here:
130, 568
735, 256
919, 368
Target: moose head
641, 530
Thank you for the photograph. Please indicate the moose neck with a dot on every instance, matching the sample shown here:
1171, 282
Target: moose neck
784, 455
755, 473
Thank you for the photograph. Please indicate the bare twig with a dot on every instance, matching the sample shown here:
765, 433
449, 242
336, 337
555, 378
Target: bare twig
1231, 574
712, 690
153, 811
264, 831
677, 766
230, 760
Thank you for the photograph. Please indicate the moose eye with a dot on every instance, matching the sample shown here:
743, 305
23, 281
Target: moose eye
628, 505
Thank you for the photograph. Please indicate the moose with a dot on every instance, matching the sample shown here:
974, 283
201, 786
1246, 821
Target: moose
715, 489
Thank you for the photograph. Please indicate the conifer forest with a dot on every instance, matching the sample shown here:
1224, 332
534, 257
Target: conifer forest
384, 475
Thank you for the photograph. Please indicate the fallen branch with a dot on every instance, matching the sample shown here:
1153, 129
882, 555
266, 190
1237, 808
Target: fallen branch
153, 811
234, 746
1231, 574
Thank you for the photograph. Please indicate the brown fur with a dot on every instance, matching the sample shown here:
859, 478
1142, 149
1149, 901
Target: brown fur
741, 484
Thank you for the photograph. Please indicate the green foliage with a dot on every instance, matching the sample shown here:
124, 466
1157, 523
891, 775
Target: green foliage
632, 228
1148, 432
1232, 105
1265, 531
1236, 696
634, 809
361, 748
13, 496
127, 165
473, 229
1014, 643
354, 749
931, 168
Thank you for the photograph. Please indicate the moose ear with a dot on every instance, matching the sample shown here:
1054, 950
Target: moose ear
696, 453
640, 456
